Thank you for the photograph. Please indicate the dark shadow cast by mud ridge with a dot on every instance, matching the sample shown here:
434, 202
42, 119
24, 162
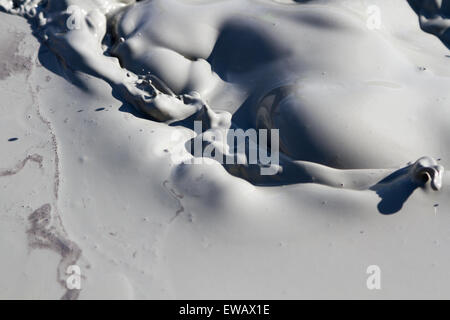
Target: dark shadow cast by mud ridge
254, 49
132, 110
395, 190
127, 108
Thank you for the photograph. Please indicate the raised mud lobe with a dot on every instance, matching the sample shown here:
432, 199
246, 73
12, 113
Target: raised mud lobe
45, 233
20, 165
169, 57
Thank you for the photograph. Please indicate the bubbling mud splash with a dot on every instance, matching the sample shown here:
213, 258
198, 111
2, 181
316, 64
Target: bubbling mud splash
311, 69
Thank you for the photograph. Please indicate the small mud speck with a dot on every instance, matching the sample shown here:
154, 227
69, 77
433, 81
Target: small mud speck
99, 109
13, 139
436, 205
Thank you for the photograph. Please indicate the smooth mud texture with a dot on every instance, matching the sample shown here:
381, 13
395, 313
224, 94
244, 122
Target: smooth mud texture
19, 166
363, 122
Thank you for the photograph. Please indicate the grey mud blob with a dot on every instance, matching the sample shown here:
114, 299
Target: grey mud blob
168, 57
